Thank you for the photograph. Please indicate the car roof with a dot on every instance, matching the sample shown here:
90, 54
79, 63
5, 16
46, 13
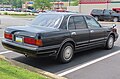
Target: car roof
64, 13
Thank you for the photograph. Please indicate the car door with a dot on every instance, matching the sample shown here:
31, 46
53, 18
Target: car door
79, 31
97, 33
106, 15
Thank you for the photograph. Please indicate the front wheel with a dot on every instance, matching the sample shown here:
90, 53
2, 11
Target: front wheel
66, 53
110, 42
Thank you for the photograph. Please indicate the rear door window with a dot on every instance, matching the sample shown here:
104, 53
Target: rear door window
71, 25
76, 22
79, 22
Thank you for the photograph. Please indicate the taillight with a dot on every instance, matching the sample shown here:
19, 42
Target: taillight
8, 36
33, 41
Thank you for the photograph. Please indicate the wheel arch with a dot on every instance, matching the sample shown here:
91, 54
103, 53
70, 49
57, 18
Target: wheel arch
68, 40
106, 44
112, 35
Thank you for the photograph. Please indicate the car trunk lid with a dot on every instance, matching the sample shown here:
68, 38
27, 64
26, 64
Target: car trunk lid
29, 30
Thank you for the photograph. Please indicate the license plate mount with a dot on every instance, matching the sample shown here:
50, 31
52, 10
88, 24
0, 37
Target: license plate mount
19, 39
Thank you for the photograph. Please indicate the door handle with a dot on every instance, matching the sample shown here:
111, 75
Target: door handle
73, 33
91, 31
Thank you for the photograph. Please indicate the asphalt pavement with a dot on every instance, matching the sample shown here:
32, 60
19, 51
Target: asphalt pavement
107, 68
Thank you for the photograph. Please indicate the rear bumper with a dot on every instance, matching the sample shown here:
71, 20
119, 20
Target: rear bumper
28, 50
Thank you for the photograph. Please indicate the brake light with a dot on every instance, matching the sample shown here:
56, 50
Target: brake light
33, 41
8, 36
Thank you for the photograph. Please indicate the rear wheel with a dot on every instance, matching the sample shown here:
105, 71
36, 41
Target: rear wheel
115, 19
110, 42
66, 53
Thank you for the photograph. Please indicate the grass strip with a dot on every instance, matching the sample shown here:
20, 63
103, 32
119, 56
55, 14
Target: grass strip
8, 71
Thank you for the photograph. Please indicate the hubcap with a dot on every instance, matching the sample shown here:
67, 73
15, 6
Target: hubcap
110, 42
68, 52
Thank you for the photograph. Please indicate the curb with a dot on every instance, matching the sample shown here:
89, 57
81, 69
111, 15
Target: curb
2, 57
33, 69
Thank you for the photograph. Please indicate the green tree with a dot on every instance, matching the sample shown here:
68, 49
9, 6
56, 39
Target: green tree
2, 2
23, 1
42, 4
16, 3
75, 2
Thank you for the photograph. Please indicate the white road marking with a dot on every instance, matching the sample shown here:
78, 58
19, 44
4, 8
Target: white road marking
5, 52
89, 63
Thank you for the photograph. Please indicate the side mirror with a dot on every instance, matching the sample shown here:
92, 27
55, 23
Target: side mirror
114, 25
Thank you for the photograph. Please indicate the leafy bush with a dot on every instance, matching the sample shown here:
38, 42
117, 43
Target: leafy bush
5, 13
19, 14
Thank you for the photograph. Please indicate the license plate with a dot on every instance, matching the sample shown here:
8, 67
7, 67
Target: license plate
19, 39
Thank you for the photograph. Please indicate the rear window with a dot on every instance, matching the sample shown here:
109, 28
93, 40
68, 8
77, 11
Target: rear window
47, 20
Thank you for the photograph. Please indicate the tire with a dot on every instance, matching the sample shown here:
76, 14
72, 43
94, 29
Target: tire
115, 19
96, 18
110, 42
66, 53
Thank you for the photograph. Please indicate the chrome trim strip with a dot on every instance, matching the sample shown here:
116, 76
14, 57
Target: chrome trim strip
83, 42
61, 21
98, 39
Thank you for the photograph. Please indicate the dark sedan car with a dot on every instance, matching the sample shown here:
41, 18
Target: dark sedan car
59, 35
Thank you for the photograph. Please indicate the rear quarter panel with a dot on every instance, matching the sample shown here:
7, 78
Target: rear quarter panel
55, 37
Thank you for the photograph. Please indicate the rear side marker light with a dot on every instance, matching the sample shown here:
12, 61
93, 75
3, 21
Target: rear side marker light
39, 42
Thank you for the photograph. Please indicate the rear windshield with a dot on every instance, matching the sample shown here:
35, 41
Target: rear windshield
47, 20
